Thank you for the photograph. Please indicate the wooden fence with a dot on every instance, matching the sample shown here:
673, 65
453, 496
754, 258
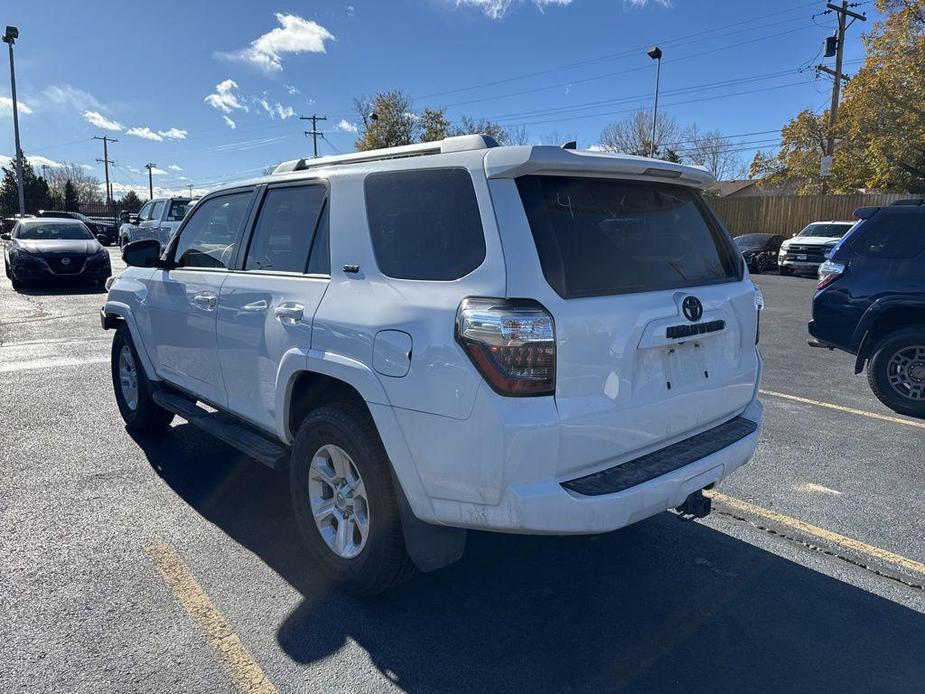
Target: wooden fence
787, 214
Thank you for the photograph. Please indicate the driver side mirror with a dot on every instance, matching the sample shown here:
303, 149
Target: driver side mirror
133, 219
5, 236
144, 253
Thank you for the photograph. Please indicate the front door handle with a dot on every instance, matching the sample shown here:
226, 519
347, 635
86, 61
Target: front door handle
289, 312
255, 306
206, 301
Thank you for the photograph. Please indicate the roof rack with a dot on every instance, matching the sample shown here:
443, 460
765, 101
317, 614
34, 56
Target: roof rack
459, 143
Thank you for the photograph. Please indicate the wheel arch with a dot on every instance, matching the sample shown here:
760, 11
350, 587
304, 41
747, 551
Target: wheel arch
116, 311
883, 318
328, 378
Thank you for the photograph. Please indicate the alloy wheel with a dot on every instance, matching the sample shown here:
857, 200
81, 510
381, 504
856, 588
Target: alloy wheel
338, 501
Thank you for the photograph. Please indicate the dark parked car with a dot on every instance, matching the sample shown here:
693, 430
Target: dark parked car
39, 249
871, 302
759, 251
105, 233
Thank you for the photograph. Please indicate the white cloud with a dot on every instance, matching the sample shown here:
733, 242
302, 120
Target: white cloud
230, 123
68, 96
350, 10
6, 107
157, 172
347, 127
173, 134
291, 89
141, 190
87, 167
294, 35
276, 110
596, 148
37, 161
174, 167
224, 99
643, 3
496, 9
145, 133
98, 120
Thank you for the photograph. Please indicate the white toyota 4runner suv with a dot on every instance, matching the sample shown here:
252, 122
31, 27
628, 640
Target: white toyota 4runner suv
451, 335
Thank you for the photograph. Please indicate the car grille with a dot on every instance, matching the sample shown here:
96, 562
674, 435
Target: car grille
812, 253
65, 264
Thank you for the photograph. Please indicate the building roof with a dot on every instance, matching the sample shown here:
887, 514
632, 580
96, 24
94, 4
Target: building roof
726, 188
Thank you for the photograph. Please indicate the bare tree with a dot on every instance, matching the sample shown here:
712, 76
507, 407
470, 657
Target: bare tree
558, 138
633, 135
516, 136
711, 150
88, 187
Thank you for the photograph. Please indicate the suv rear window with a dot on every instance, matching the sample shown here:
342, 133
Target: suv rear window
425, 225
605, 236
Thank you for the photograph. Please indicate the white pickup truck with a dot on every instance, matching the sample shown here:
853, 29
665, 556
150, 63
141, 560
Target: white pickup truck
159, 219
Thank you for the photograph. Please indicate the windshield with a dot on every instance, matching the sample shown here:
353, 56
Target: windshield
605, 236
751, 240
826, 230
53, 232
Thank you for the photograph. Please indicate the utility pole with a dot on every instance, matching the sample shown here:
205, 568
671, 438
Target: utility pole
843, 13
191, 191
106, 162
150, 167
314, 131
45, 172
9, 37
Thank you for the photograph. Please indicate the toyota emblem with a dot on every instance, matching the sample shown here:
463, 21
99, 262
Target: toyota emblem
65, 261
692, 308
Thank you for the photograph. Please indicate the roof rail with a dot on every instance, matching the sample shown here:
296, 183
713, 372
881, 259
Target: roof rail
459, 143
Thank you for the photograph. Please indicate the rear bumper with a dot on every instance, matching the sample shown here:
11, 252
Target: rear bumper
547, 508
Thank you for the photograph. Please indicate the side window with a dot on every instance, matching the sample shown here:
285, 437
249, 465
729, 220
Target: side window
425, 225
319, 262
285, 227
892, 235
145, 212
158, 211
209, 237
177, 211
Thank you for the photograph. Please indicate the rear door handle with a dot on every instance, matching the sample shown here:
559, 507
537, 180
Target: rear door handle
206, 301
255, 306
289, 312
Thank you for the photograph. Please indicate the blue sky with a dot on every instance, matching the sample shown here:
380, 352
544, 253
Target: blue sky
211, 91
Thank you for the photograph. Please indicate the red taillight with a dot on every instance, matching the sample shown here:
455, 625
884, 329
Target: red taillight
512, 343
829, 271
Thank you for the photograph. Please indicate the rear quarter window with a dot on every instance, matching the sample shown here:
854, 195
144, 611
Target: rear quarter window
425, 224
606, 236
891, 234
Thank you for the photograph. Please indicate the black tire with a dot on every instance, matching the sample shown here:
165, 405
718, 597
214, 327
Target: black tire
17, 284
146, 416
784, 270
383, 562
879, 371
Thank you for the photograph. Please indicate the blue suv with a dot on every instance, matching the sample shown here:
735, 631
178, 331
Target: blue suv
870, 302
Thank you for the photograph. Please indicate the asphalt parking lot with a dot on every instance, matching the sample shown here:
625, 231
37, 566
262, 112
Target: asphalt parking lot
174, 564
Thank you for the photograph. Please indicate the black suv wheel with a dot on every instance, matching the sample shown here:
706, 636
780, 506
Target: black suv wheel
896, 372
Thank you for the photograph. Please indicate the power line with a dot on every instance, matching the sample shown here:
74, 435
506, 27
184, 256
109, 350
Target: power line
628, 52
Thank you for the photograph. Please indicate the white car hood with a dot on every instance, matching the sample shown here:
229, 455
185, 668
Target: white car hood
811, 240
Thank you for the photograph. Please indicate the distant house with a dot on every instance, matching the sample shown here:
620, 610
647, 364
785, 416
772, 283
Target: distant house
736, 189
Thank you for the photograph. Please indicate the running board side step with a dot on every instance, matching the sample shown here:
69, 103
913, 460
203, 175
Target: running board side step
227, 428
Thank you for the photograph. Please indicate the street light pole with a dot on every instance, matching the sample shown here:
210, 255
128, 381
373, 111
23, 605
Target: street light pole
9, 37
656, 54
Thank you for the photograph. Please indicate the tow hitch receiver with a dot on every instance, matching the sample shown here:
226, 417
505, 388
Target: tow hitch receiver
696, 506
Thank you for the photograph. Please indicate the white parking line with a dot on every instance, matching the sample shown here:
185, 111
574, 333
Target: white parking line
52, 363
842, 408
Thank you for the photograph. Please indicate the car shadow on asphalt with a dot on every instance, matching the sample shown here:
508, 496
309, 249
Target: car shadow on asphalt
59, 288
664, 605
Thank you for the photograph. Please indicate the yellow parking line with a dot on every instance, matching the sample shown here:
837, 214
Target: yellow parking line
821, 533
842, 408
244, 670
